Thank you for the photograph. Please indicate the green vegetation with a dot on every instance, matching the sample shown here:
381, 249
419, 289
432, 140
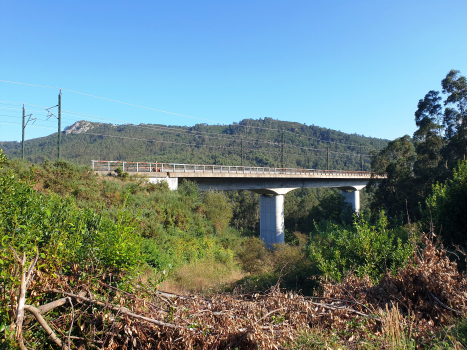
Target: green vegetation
305, 146
415, 164
446, 207
360, 248
373, 280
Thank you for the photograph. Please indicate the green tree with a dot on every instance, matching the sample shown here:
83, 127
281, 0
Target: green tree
218, 209
446, 206
428, 167
455, 116
397, 193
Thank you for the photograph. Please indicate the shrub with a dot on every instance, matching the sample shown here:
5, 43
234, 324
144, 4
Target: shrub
446, 207
218, 209
368, 250
121, 174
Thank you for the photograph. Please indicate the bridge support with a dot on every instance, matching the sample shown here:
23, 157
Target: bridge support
271, 218
271, 214
352, 196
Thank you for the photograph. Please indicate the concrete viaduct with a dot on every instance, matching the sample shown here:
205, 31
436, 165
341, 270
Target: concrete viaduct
270, 183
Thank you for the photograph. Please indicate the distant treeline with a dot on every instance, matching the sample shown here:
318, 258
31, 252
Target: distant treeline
260, 142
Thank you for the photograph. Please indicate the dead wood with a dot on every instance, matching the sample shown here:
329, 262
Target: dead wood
44, 325
24, 281
123, 310
56, 303
332, 307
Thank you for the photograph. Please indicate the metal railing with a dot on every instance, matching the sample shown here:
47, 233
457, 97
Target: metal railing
145, 167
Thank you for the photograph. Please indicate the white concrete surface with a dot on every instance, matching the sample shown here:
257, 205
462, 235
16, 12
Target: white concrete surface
171, 181
353, 198
271, 219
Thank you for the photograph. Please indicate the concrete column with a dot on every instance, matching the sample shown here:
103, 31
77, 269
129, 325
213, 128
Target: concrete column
353, 198
271, 218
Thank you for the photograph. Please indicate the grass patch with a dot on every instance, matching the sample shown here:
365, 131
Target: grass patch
202, 276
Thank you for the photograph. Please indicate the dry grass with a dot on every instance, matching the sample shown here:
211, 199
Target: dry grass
202, 276
398, 337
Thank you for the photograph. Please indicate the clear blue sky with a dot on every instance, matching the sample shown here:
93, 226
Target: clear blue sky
355, 66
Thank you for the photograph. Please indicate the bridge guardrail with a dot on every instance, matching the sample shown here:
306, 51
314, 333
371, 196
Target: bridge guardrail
141, 167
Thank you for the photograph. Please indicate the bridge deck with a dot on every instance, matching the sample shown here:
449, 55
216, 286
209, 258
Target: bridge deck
176, 170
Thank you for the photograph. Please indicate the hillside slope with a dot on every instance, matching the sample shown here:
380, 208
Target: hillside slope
261, 140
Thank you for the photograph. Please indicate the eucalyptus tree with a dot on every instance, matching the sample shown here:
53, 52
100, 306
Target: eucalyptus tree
455, 116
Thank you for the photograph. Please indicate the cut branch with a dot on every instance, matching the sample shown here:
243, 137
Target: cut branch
123, 310
44, 325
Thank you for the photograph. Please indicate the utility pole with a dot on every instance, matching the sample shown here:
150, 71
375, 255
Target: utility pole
241, 147
59, 121
282, 151
327, 158
50, 114
25, 123
22, 140
361, 157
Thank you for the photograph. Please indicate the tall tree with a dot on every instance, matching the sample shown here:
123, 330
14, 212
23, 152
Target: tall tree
398, 192
455, 116
428, 141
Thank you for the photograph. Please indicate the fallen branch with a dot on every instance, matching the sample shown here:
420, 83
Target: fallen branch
131, 295
123, 310
56, 303
24, 281
86, 340
444, 305
329, 307
44, 325
270, 313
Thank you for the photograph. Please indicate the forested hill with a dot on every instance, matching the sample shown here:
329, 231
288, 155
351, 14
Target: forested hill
261, 141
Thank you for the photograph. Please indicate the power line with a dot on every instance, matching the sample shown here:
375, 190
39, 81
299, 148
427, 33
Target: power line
178, 114
178, 131
30, 104
34, 126
111, 100
157, 127
196, 145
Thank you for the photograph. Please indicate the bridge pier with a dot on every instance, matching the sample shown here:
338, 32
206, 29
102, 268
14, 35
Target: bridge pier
271, 214
271, 218
352, 196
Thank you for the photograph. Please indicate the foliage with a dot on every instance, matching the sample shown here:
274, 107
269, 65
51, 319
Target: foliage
287, 265
364, 249
218, 209
224, 145
397, 193
122, 174
414, 166
446, 207
178, 226
65, 235
429, 290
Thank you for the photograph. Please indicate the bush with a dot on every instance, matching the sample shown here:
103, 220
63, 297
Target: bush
368, 250
446, 207
217, 209
121, 174
286, 264
68, 238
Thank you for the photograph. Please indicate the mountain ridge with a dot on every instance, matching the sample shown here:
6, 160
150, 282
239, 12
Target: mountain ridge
304, 146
